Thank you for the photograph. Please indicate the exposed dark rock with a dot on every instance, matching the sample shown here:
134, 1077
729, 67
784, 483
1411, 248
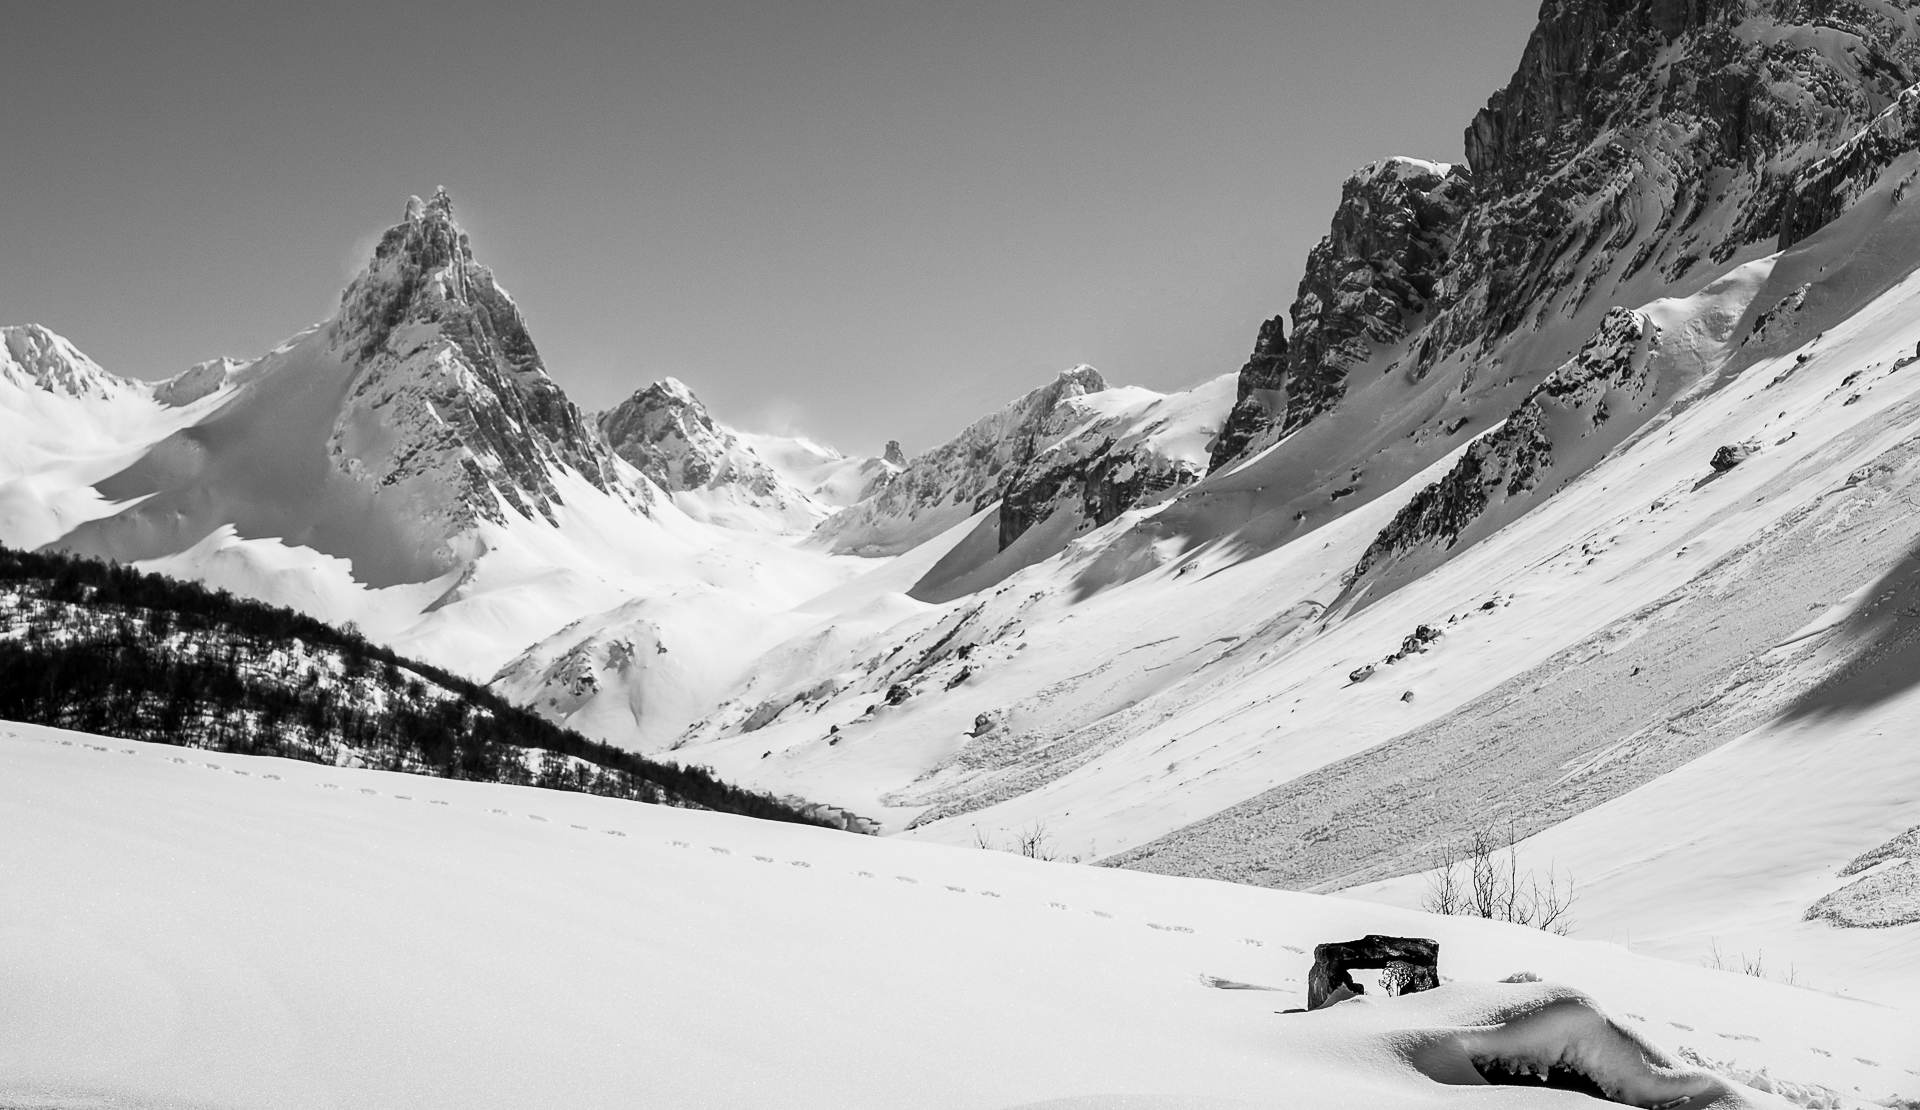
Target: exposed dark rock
898, 692
1257, 394
1828, 187
894, 454
1732, 455
1412, 964
1508, 462
1103, 478
1372, 279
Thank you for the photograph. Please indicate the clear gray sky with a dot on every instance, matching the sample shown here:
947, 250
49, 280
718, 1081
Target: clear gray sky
860, 220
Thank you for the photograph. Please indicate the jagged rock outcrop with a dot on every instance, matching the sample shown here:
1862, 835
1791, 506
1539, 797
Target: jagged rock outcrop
1372, 279
962, 476
1259, 392
1609, 375
1367, 285
894, 456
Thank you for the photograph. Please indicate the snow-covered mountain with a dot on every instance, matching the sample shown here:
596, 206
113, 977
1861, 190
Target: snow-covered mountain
718, 475
1571, 490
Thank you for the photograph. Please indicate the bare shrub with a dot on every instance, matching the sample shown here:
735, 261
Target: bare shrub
1482, 877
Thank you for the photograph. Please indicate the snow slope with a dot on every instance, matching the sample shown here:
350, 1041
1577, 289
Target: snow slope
190, 929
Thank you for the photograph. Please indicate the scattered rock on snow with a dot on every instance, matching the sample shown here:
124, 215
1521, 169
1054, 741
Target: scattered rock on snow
1733, 455
1409, 964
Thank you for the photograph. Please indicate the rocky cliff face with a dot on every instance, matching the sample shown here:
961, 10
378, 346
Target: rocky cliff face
1372, 279
449, 372
1642, 144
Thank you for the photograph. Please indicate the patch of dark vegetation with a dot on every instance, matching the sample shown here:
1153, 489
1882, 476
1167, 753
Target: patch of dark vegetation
103, 648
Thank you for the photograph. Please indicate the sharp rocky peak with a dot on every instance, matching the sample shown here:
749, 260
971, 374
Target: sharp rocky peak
445, 359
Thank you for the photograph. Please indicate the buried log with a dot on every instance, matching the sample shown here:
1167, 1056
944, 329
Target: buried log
1409, 964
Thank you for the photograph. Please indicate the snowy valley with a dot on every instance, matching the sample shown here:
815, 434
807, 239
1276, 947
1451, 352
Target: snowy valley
1573, 497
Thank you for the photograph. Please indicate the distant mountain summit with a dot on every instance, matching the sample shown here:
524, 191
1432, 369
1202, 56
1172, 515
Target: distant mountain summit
447, 364
382, 436
668, 435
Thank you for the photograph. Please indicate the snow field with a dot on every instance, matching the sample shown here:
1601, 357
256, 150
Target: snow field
189, 928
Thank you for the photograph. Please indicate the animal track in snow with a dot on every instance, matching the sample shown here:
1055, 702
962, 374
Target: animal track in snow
906, 879
615, 832
720, 851
1169, 928
1677, 1025
1101, 913
764, 859
371, 790
958, 889
799, 863
988, 894
536, 817
1737, 1036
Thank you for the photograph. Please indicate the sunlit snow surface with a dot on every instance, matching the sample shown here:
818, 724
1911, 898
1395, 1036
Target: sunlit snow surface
182, 928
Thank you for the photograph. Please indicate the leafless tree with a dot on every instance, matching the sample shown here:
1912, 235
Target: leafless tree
1482, 877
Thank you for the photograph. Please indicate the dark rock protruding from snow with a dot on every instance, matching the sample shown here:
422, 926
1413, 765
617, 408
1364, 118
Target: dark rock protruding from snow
894, 455
1609, 375
1732, 455
1258, 395
1411, 964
